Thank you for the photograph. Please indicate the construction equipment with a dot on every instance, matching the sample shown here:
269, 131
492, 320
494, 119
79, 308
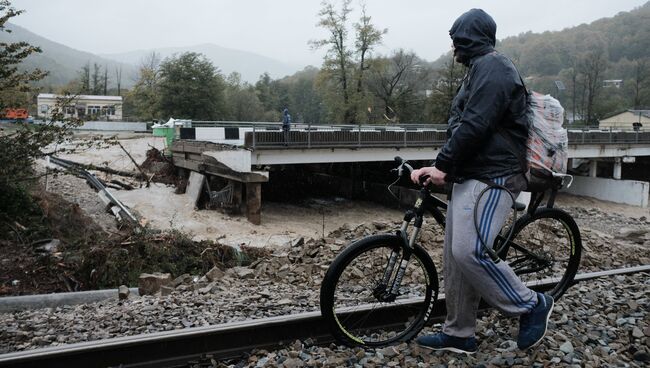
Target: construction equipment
15, 115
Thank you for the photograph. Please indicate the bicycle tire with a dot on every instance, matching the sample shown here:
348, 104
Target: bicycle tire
347, 308
552, 238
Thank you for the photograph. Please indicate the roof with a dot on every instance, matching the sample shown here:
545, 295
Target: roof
645, 113
81, 97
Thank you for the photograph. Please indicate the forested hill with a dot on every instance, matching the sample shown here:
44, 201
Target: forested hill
582, 58
622, 38
62, 62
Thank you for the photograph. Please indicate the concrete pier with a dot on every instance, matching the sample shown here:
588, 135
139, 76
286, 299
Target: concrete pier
632, 192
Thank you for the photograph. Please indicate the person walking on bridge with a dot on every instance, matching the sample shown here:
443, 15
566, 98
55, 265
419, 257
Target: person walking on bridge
490, 103
286, 125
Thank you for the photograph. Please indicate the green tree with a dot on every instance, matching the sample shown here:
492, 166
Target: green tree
15, 85
338, 60
191, 88
367, 37
20, 146
340, 71
305, 102
448, 79
641, 82
84, 81
241, 100
145, 96
265, 92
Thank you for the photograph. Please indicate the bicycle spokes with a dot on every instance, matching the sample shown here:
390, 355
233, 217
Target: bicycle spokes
526, 261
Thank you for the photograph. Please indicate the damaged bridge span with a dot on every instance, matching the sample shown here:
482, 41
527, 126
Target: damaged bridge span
244, 156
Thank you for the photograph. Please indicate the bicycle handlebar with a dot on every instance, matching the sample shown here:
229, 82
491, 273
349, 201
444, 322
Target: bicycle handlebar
404, 164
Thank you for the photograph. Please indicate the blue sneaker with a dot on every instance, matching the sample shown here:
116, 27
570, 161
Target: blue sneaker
532, 325
442, 341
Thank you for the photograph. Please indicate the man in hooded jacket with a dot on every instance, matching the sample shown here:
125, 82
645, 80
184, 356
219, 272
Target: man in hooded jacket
486, 140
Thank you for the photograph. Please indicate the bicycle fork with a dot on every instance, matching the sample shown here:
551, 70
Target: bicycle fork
388, 291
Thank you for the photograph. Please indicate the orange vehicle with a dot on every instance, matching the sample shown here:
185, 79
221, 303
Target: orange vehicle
15, 114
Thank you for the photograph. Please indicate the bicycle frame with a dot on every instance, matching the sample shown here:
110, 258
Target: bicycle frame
427, 202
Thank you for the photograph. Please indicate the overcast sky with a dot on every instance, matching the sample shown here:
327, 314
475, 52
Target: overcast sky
281, 29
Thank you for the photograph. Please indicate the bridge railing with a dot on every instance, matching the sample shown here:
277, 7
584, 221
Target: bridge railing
259, 136
352, 136
608, 136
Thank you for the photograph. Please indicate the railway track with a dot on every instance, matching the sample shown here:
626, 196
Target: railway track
226, 341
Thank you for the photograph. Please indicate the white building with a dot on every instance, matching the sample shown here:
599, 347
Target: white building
88, 107
616, 83
630, 119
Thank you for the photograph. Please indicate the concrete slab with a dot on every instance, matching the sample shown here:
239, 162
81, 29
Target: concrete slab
194, 187
632, 192
236, 160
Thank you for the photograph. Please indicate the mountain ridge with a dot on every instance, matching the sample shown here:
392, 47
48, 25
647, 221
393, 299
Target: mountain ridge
249, 64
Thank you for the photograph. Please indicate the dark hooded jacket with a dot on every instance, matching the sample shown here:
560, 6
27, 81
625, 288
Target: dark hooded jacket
490, 104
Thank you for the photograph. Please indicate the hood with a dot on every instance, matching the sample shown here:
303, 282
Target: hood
474, 33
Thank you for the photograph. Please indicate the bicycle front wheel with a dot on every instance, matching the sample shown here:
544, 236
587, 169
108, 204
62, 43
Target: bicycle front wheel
355, 297
544, 246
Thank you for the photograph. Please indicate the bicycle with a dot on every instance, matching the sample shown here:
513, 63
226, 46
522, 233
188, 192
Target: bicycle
379, 276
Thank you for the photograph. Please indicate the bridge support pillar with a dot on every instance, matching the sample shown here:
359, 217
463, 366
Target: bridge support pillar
237, 199
254, 202
593, 168
618, 166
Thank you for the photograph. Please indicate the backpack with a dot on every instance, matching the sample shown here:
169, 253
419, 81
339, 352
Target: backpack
548, 142
547, 147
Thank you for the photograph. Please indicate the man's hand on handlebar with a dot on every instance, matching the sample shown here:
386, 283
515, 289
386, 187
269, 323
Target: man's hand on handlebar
429, 175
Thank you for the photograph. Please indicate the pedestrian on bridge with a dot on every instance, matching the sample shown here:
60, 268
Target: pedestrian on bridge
486, 116
286, 125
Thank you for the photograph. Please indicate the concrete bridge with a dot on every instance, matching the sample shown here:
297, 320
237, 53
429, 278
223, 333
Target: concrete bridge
244, 153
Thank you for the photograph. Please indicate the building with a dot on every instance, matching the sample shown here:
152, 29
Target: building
87, 107
616, 83
630, 119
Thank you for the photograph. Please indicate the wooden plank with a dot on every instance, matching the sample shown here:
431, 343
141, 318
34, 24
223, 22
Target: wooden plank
212, 169
187, 164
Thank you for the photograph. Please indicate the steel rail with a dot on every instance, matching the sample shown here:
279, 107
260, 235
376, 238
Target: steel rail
92, 180
227, 341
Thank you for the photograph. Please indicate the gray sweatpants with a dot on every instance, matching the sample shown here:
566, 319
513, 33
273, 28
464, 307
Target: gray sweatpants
469, 272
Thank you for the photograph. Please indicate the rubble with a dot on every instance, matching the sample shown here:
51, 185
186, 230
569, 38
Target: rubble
149, 284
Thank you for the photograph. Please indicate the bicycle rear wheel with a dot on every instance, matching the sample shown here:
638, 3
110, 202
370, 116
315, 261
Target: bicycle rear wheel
354, 300
544, 245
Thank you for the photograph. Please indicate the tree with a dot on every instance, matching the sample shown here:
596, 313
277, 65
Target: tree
241, 100
339, 71
592, 67
443, 91
338, 59
304, 99
84, 80
191, 88
118, 79
641, 79
15, 85
20, 146
396, 82
105, 83
264, 90
145, 95
368, 36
